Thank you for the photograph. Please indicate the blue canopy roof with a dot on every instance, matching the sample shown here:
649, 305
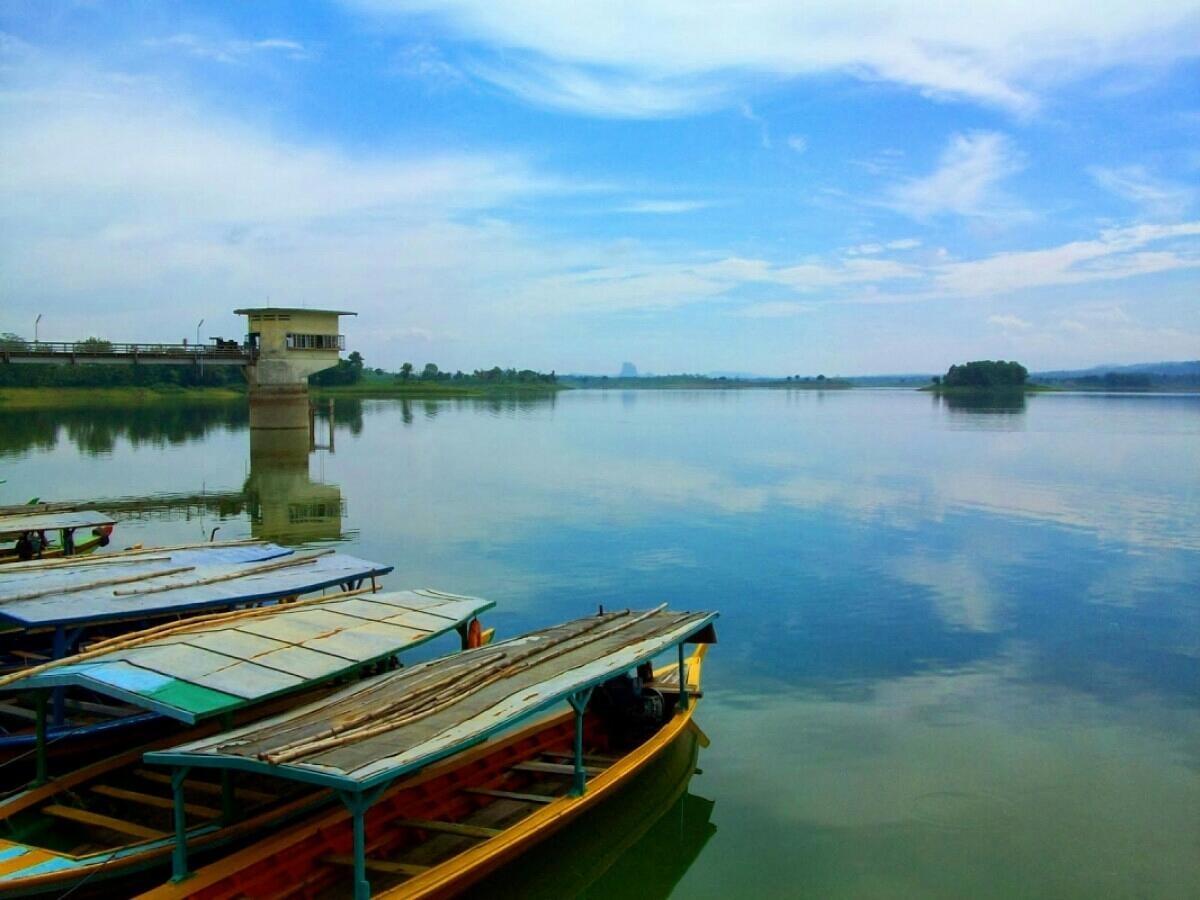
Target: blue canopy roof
151, 583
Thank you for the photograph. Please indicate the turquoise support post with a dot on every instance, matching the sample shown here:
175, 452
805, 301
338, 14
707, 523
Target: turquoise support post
60, 694
579, 703
179, 861
42, 703
362, 887
358, 803
683, 690
228, 807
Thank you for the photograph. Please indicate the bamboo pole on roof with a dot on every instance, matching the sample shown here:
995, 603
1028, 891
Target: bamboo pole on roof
287, 563
372, 723
103, 582
171, 629
72, 562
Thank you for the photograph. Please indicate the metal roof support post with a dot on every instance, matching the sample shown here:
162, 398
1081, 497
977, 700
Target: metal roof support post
228, 810
579, 702
683, 691
179, 863
58, 652
41, 776
358, 802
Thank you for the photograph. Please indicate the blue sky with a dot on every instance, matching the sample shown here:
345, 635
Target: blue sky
772, 187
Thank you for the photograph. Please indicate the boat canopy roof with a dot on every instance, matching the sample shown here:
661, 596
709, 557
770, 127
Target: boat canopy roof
20, 523
155, 583
236, 659
367, 735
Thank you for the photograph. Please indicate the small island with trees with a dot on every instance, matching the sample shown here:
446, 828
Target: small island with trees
990, 375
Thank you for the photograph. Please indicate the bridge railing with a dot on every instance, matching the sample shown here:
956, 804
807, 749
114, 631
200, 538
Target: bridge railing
184, 353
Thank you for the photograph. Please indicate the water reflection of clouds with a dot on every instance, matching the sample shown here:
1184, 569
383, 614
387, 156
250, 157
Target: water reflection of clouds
960, 778
963, 595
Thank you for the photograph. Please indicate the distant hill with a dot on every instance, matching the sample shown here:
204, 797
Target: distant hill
1160, 369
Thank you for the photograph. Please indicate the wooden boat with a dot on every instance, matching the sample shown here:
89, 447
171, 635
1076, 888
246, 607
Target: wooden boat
28, 529
637, 844
438, 789
113, 819
48, 608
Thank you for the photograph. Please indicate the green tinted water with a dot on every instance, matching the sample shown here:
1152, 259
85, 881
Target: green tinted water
960, 642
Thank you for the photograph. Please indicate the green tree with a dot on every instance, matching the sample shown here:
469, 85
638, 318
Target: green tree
93, 345
430, 372
406, 371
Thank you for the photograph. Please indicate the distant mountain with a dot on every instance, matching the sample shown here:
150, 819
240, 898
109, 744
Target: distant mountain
1188, 369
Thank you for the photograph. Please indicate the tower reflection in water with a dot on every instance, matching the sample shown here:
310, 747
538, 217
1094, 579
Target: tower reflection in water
284, 504
637, 844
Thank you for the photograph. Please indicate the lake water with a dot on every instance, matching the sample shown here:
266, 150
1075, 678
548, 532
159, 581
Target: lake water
959, 644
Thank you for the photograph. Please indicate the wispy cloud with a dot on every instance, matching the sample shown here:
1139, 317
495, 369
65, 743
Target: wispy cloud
600, 92
665, 207
764, 130
798, 143
426, 62
773, 309
231, 51
1010, 322
593, 53
1155, 197
965, 182
1116, 254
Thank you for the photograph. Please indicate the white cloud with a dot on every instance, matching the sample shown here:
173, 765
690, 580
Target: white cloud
903, 244
965, 181
1008, 322
1118, 253
1155, 197
999, 54
798, 143
774, 309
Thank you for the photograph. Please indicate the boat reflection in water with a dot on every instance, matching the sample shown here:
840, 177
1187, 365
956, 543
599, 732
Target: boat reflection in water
637, 844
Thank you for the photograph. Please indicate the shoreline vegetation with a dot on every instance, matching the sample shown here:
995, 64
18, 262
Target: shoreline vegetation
51, 397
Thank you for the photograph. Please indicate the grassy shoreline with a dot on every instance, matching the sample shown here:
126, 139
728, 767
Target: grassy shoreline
1006, 389
12, 398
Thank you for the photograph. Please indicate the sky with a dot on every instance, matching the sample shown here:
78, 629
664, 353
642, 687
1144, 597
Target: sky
773, 187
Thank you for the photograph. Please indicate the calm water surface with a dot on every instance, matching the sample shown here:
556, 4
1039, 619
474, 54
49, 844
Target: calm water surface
959, 648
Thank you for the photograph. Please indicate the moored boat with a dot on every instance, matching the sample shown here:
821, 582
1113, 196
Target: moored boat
440, 778
114, 818
29, 531
50, 608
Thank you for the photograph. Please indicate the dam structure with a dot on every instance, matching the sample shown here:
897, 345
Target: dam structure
288, 344
283, 346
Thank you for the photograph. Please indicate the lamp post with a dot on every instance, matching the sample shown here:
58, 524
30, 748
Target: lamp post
198, 324
35, 328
